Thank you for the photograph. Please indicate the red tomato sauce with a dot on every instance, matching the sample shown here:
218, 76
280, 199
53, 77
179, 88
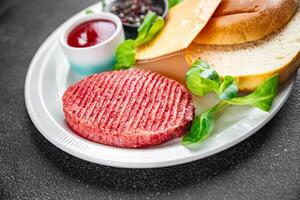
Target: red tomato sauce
91, 33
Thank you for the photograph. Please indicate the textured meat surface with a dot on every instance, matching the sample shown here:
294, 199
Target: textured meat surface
129, 108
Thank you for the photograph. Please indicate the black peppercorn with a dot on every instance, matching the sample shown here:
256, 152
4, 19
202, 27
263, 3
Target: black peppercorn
133, 11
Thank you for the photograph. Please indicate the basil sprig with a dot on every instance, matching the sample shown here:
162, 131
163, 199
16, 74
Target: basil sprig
149, 28
174, 3
262, 97
202, 79
228, 88
125, 53
203, 125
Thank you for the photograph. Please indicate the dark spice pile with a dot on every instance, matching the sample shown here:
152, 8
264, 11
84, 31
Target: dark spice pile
133, 11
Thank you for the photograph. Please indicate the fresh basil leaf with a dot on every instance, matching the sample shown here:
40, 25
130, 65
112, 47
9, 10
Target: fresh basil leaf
202, 125
155, 28
147, 22
145, 27
228, 88
202, 79
125, 55
211, 74
174, 3
103, 4
262, 97
88, 11
199, 65
199, 85
205, 70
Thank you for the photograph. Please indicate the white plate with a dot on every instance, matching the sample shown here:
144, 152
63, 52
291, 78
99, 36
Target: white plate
48, 77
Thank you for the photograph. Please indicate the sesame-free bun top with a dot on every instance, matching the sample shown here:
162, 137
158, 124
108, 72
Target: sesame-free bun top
239, 21
253, 62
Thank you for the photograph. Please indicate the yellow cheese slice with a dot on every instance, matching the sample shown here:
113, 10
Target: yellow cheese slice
183, 24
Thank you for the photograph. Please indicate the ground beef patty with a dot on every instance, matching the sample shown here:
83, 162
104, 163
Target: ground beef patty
128, 108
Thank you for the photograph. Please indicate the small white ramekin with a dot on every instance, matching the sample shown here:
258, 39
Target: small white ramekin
97, 58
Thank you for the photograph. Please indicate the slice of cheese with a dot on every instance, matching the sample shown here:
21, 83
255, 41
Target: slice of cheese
173, 66
183, 24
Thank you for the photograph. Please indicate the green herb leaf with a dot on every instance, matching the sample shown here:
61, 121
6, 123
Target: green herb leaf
174, 3
205, 71
199, 85
202, 79
145, 27
103, 4
88, 11
199, 66
262, 97
203, 125
155, 28
125, 55
228, 88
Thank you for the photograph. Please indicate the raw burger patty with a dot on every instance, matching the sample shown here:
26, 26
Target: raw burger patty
129, 108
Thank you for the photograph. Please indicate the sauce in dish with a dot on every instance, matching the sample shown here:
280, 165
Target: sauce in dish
91, 33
